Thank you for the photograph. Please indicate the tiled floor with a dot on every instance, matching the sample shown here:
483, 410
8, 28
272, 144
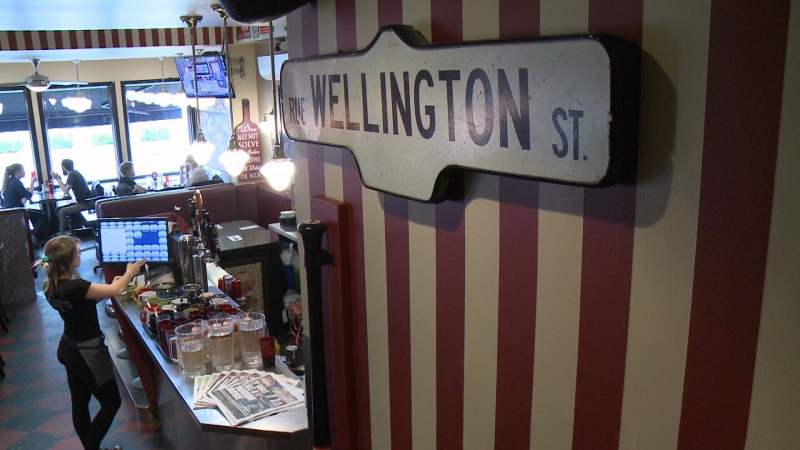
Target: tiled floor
34, 397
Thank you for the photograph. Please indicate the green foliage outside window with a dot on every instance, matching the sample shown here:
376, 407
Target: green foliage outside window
61, 141
102, 139
10, 147
155, 134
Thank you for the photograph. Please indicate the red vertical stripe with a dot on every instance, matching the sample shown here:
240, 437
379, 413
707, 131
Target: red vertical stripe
142, 38
446, 26
128, 38
390, 12
115, 38
59, 39
346, 25
605, 275
310, 30
747, 50
168, 37
351, 180
43, 40
450, 314
316, 168
399, 315
206, 36
87, 39
446, 21
184, 37
12, 40
73, 39
101, 38
154, 37
519, 225
28, 38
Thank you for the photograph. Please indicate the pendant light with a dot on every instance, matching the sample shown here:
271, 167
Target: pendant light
200, 148
279, 169
78, 102
234, 158
163, 98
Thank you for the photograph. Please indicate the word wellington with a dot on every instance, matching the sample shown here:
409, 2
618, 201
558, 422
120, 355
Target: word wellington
554, 109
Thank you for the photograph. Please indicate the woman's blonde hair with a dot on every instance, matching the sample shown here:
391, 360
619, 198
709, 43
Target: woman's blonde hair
59, 253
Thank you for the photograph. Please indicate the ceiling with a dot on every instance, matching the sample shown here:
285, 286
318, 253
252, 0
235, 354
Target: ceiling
43, 15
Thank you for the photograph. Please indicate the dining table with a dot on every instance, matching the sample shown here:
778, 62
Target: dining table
49, 203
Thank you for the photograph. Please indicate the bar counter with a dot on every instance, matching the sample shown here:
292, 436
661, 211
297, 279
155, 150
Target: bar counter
172, 394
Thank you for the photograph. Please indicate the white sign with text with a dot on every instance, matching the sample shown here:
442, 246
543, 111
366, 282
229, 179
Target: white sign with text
409, 111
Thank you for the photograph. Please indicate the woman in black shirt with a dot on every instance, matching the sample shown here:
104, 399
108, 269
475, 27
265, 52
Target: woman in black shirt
82, 349
15, 196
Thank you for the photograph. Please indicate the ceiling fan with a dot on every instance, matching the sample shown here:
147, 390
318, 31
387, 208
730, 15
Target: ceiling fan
39, 83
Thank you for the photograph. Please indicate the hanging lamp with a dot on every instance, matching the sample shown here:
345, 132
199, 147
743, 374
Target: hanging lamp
234, 158
78, 102
279, 169
163, 98
201, 149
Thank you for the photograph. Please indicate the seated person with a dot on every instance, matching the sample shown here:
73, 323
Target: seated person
15, 196
126, 185
80, 189
192, 173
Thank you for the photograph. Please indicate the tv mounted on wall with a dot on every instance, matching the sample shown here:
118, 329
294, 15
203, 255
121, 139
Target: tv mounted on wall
124, 240
212, 75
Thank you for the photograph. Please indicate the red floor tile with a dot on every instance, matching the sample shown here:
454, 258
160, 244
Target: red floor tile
7, 389
50, 381
9, 411
60, 424
10, 437
68, 443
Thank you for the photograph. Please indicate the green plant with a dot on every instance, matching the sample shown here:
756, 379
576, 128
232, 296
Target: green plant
61, 141
102, 139
10, 147
155, 134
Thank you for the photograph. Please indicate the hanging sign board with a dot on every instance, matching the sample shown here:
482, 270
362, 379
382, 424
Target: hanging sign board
556, 109
247, 135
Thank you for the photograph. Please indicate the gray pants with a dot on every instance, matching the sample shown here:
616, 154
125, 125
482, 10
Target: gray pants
71, 210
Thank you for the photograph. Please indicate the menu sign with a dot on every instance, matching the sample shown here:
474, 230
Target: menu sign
247, 135
555, 109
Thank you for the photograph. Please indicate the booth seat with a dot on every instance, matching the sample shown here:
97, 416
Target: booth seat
225, 202
16, 255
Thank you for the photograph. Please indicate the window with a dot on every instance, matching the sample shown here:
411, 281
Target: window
160, 123
15, 132
88, 138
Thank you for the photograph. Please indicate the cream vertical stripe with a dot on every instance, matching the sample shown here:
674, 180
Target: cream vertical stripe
35, 43
148, 37
775, 402
51, 38
366, 26
555, 361
109, 37
422, 290
482, 281
95, 41
667, 203
66, 39
302, 206
122, 38
80, 43
417, 13
377, 317
334, 186
481, 20
4, 44
136, 43
162, 38
326, 13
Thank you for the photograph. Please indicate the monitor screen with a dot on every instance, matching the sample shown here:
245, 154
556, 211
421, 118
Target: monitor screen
124, 240
212, 75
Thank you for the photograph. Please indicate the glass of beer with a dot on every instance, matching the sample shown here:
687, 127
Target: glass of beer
220, 341
191, 343
252, 326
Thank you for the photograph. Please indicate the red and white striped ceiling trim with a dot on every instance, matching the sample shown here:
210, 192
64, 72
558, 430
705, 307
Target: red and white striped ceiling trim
89, 39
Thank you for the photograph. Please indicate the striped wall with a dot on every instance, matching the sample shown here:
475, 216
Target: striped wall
91, 39
659, 313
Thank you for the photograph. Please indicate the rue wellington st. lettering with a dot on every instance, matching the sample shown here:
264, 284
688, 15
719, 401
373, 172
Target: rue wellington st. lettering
332, 106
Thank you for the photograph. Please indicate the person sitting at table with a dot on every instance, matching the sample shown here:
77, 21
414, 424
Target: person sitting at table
80, 189
125, 184
15, 196
192, 173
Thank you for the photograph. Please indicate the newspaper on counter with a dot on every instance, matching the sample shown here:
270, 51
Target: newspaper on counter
255, 397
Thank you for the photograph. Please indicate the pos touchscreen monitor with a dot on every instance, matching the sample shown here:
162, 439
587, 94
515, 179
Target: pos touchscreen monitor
124, 240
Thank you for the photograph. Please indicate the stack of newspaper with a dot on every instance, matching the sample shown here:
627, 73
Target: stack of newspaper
246, 395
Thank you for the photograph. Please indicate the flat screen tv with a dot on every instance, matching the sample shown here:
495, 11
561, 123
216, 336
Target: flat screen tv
212, 75
124, 240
